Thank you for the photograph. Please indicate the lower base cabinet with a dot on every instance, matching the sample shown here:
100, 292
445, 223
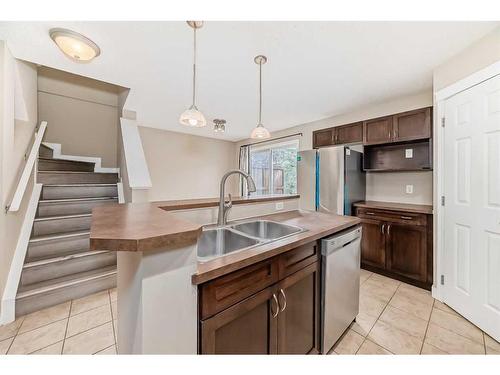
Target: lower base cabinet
283, 318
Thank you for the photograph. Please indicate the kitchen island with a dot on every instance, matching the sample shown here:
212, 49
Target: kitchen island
159, 276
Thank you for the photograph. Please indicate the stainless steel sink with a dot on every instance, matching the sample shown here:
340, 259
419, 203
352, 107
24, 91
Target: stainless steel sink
221, 241
265, 229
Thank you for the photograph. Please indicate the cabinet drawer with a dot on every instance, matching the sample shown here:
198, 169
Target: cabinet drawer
298, 258
227, 290
393, 216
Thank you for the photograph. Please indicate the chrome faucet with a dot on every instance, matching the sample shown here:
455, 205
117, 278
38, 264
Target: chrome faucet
225, 206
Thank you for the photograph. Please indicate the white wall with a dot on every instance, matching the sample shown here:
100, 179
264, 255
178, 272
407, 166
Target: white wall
18, 118
184, 166
381, 186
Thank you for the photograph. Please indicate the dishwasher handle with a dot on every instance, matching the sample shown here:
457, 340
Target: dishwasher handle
328, 245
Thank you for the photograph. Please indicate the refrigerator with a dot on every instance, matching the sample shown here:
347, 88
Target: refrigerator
330, 179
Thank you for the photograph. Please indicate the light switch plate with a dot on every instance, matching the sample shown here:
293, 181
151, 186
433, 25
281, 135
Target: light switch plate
409, 153
409, 189
279, 206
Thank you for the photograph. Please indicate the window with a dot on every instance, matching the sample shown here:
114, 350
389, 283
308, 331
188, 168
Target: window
274, 168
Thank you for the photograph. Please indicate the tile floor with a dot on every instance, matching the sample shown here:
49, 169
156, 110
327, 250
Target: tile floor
82, 326
397, 318
394, 318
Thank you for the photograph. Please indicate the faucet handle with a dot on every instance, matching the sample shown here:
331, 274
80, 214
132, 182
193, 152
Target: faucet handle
229, 203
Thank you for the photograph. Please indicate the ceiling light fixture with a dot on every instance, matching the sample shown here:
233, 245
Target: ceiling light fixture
192, 116
76, 46
260, 132
219, 125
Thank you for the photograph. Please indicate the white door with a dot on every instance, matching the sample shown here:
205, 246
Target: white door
472, 211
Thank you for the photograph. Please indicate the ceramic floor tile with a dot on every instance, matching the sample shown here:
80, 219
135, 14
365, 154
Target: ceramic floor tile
113, 294
349, 343
429, 349
363, 323
91, 341
88, 319
10, 330
377, 289
451, 342
45, 316
457, 324
441, 306
114, 309
424, 293
5, 345
412, 303
369, 347
39, 338
394, 340
108, 351
492, 346
89, 302
404, 321
371, 305
364, 275
385, 281
52, 349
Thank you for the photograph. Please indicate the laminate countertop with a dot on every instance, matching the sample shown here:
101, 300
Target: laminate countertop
400, 207
316, 224
148, 226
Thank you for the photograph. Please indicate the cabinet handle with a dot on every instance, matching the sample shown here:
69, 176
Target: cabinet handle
406, 217
277, 306
284, 300
382, 229
389, 229
370, 213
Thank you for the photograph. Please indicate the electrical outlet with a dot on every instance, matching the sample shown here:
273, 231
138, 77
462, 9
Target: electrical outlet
409, 153
279, 206
409, 189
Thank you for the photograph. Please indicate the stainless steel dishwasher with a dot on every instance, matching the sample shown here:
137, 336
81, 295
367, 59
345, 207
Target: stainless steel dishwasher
339, 284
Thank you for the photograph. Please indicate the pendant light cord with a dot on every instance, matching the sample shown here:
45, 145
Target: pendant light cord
194, 68
260, 94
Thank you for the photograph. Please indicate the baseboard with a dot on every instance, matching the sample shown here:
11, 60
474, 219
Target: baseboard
57, 154
8, 302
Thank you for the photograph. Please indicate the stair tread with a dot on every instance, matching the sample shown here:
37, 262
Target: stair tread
64, 160
62, 258
65, 281
74, 185
48, 237
71, 200
58, 217
77, 172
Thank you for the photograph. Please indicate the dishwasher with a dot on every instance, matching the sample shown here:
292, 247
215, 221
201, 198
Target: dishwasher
339, 284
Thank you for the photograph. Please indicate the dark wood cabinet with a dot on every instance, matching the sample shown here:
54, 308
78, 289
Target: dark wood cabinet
266, 308
397, 244
412, 125
377, 131
347, 134
323, 138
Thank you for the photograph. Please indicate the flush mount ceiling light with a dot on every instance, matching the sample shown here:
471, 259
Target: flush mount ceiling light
76, 46
219, 125
260, 132
192, 116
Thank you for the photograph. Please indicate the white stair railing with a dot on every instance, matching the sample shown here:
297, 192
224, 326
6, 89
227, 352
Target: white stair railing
28, 168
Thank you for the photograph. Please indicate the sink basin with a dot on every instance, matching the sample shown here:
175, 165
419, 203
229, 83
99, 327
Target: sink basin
265, 229
221, 241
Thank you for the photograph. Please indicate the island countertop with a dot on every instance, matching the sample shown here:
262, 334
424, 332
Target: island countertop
316, 224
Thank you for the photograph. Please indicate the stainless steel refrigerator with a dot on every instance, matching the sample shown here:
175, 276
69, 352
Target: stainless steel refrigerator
330, 179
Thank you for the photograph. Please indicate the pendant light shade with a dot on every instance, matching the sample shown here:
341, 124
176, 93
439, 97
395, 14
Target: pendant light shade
260, 132
192, 116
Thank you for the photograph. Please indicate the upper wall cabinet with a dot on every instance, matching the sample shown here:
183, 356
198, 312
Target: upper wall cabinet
400, 127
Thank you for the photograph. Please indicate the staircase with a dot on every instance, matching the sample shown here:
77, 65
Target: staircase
59, 265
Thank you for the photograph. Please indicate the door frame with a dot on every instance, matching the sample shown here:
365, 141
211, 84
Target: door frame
440, 98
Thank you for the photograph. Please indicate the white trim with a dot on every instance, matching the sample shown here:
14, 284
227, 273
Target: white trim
121, 196
438, 177
469, 81
8, 311
57, 154
28, 168
137, 167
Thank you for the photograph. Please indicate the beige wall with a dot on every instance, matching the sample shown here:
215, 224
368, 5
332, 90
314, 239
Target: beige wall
184, 166
18, 118
382, 186
82, 114
479, 55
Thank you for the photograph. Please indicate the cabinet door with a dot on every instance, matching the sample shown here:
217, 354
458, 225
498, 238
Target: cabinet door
407, 250
322, 138
412, 125
352, 133
377, 131
373, 242
249, 327
298, 320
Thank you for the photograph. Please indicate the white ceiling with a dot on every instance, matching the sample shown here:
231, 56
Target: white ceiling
315, 69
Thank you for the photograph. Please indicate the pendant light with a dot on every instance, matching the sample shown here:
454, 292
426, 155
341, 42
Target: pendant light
219, 125
192, 116
260, 132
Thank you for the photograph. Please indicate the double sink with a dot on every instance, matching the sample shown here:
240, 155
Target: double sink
220, 241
